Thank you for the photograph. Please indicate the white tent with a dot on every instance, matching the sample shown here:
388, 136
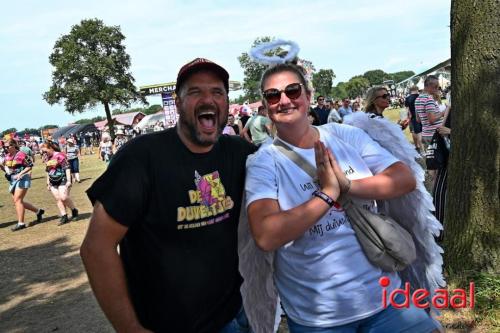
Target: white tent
150, 120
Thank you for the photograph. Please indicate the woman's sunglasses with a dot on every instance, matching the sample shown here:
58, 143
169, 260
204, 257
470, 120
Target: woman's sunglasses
385, 96
292, 91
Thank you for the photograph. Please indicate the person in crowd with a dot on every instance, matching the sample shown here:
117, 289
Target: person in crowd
236, 126
120, 140
26, 149
313, 117
87, 144
229, 129
345, 109
427, 109
440, 189
244, 115
377, 100
415, 126
62, 142
324, 280
356, 106
321, 110
193, 231
35, 147
59, 180
73, 155
259, 127
333, 115
17, 166
106, 148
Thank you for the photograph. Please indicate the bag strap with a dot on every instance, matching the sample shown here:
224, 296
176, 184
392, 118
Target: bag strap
296, 158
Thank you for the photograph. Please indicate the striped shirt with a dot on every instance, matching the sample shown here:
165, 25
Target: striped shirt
424, 104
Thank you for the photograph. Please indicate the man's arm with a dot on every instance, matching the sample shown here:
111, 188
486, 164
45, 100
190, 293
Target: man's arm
105, 270
432, 114
244, 132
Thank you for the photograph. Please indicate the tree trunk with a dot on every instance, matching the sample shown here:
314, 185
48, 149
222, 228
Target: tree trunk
472, 234
111, 122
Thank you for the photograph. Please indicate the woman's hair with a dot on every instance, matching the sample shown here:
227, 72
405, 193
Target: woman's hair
51, 145
13, 143
371, 95
286, 67
437, 97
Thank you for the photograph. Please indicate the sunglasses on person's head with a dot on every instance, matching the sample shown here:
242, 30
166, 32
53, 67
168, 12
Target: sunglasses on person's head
385, 96
292, 91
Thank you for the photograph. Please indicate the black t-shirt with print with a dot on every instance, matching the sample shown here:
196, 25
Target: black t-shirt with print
182, 209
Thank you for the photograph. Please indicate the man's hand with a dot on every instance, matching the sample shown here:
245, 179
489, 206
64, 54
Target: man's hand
444, 130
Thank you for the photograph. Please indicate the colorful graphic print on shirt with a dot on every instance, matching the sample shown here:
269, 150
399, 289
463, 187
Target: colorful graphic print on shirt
209, 203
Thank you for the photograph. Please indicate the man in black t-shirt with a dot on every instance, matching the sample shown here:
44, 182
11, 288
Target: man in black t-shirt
171, 200
415, 126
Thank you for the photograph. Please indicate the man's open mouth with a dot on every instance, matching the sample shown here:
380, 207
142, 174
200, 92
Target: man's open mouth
207, 120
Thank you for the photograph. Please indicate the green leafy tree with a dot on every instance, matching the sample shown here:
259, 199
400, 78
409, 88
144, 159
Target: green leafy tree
339, 91
90, 121
238, 100
322, 81
118, 111
91, 67
376, 76
8, 131
30, 131
357, 86
44, 127
153, 109
253, 71
400, 76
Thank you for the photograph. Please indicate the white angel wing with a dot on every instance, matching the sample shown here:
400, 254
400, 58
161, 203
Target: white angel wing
413, 210
259, 294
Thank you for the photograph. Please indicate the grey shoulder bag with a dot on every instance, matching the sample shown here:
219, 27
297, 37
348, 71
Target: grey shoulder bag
385, 243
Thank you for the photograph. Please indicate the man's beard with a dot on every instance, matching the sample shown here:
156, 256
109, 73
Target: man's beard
193, 134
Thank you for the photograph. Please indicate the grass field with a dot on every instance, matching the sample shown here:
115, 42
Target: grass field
43, 286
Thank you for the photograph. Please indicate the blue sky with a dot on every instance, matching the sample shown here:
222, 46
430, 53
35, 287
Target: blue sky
349, 37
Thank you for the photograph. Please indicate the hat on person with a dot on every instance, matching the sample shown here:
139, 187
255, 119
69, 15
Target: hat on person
70, 140
118, 132
199, 64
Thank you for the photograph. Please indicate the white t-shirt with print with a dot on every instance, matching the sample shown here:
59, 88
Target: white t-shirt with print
323, 278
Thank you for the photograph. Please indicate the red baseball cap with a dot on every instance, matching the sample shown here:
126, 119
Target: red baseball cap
199, 64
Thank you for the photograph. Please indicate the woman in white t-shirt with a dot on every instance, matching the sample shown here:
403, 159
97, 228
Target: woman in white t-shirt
324, 280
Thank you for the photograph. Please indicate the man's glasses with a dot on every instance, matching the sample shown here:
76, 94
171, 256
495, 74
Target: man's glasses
385, 96
292, 91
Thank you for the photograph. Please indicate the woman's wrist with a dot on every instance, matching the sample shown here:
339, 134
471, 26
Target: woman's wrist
345, 188
325, 197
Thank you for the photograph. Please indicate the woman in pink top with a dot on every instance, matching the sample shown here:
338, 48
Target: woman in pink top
17, 166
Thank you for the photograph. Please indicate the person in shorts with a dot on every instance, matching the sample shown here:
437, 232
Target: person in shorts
415, 126
17, 166
59, 180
